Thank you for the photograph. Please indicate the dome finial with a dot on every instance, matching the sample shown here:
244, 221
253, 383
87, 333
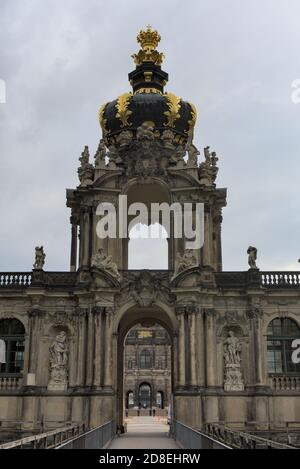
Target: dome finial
149, 40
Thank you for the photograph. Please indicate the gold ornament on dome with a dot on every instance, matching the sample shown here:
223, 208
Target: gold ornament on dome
192, 121
102, 121
173, 103
147, 91
148, 40
123, 112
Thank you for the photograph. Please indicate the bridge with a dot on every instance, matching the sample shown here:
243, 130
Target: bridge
145, 433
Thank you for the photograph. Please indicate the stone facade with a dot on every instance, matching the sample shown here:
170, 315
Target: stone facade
63, 333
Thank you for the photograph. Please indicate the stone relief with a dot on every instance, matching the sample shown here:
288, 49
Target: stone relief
184, 262
39, 258
58, 363
232, 349
104, 262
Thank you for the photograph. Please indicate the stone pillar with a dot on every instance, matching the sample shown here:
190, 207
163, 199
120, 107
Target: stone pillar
254, 316
81, 347
210, 347
97, 312
34, 332
192, 347
207, 247
218, 242
85, 236
200, 348
74, 236
181, 347
90, 349
108, 348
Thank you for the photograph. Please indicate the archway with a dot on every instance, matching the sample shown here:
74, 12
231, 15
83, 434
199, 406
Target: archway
144, 320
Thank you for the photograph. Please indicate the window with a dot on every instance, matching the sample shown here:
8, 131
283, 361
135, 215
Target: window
280, 335
12, 346
146, 359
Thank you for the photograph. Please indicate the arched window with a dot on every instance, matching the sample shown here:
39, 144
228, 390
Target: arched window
280, 335
148, 247
12, 338
146, 359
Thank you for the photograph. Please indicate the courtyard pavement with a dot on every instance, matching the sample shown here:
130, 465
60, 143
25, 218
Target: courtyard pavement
145, 433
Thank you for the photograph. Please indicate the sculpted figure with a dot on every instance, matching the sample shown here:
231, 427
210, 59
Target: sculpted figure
58, 363
100, 155
85, 170
252, 256
39, 258
232, 350
124, 138
193, 153
167, 138
145, 132
185, 261
106, 263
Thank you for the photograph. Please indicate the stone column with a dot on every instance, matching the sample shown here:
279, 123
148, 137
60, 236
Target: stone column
85, 236
200, 348
108, 348
218, 242
181, 347
254, 315
81, 347
74, 237
210, 347
207, 237
192, 347
97, 312
90, 349
34, 325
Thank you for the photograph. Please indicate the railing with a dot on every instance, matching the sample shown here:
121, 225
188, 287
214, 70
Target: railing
280, 279
96, 438
241, 440
15, 279
285, 383
188, 438
46, 440
10, 383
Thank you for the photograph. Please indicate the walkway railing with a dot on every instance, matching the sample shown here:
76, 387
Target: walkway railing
46, 440
241, 440
188, 438
96, 438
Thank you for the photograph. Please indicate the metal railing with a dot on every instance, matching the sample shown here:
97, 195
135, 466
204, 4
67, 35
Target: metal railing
241, 440
46, 440
96, 438
189, 438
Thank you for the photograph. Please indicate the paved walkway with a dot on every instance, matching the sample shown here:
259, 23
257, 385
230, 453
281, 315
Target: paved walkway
145, 433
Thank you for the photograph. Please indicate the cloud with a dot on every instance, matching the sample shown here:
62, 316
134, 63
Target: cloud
235, 60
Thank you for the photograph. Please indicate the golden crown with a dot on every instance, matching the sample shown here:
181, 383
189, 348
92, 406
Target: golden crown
148, 39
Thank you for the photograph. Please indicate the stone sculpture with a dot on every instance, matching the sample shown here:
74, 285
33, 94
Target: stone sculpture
58, 362
232, 362
252, 256
101, 261
39, 258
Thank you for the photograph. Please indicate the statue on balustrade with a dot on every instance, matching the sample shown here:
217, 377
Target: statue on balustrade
252, 256
39, 258
58, 363
232, 361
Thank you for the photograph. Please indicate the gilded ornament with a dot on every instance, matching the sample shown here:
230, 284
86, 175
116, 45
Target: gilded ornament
173, 103
192, 121
102, 121
123, 112
148, 40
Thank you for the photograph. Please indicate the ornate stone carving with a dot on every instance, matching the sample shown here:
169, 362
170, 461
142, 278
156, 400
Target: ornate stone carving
145, 287
167, 138
184, 261
208, 170
100, 155
232, 361
86, 170
193, 153
39, 258
252, 256
104, 262
58, 363
124, 138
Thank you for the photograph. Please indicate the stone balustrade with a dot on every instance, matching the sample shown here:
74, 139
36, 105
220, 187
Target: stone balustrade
10, 383
285, 383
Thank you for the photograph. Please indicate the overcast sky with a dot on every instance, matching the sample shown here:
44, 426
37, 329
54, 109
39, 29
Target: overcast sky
235, 60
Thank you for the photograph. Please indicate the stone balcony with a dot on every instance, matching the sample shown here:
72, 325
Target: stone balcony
284, 382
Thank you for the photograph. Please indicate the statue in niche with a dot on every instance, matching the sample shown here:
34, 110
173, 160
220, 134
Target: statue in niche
39, 258
185, 261
100, 155
102, 261
252, 257
232, 360
58, 362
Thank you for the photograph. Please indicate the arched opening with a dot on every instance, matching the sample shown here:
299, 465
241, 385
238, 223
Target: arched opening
160, 400
148, 247
145, 396
145, 363
281, 333
12, 339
